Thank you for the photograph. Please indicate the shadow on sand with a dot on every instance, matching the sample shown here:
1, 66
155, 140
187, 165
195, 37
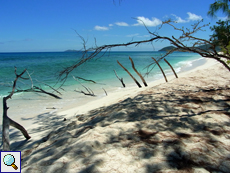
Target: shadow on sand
178, 130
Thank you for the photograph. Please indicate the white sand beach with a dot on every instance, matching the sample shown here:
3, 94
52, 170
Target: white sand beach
179, 126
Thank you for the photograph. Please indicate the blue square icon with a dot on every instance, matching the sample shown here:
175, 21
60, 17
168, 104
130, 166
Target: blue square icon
10, 161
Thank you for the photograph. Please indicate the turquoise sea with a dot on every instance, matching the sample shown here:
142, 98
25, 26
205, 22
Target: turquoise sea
44, 67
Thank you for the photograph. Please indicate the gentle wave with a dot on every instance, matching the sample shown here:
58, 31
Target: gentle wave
45, 67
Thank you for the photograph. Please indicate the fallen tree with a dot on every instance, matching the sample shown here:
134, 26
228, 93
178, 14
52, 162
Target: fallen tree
6, 121
209, 50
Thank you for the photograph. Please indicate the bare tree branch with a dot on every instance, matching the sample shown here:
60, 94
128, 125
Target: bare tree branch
105, 91
7, 121
50, 87
90, 92
171, 67
187, 34
38, 89
120, 79
133, 66
85, 79
138, 84
160, 69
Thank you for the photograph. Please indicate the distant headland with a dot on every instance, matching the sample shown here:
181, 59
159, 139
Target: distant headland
71, 50
204, 47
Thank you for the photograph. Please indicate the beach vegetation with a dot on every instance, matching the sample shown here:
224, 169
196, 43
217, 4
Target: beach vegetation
220, 5
221, 31
221, 34
226, 49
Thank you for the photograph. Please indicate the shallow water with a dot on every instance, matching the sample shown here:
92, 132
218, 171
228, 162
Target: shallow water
45, 67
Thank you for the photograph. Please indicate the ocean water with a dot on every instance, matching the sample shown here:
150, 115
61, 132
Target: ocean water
44, 67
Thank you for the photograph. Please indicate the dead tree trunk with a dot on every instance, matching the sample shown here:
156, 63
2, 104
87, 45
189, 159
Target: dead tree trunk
5, 127
7, 121
143, 80
171, 67
160, 69
120, 79
129, 74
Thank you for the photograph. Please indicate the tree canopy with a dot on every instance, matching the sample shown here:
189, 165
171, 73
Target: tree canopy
221, 33
220, 5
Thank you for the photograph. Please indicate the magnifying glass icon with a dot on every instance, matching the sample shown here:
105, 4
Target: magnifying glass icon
9, 160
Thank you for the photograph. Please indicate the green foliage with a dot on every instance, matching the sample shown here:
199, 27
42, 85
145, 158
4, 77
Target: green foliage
226, 49
220, 5
221, 33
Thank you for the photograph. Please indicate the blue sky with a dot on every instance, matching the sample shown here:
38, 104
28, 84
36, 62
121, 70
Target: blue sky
50, 25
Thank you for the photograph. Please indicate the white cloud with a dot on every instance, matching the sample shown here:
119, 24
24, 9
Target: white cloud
101, 28
110, 25
192, 17
142, 20
146, 36
178, 19
138, 35
132, 35
122, 24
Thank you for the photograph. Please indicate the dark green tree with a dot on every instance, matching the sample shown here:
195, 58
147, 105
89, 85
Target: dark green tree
220, 5
221, 33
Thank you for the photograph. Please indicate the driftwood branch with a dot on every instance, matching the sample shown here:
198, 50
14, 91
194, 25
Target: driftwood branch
50, 87
19, 127
85, 79
133, 66
32, 85
160, 69
7, 121
87, 94
40, 90
105, 91
138, 84
120, 79
90, 92
171, 67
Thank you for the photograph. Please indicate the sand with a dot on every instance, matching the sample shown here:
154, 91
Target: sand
179, 126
